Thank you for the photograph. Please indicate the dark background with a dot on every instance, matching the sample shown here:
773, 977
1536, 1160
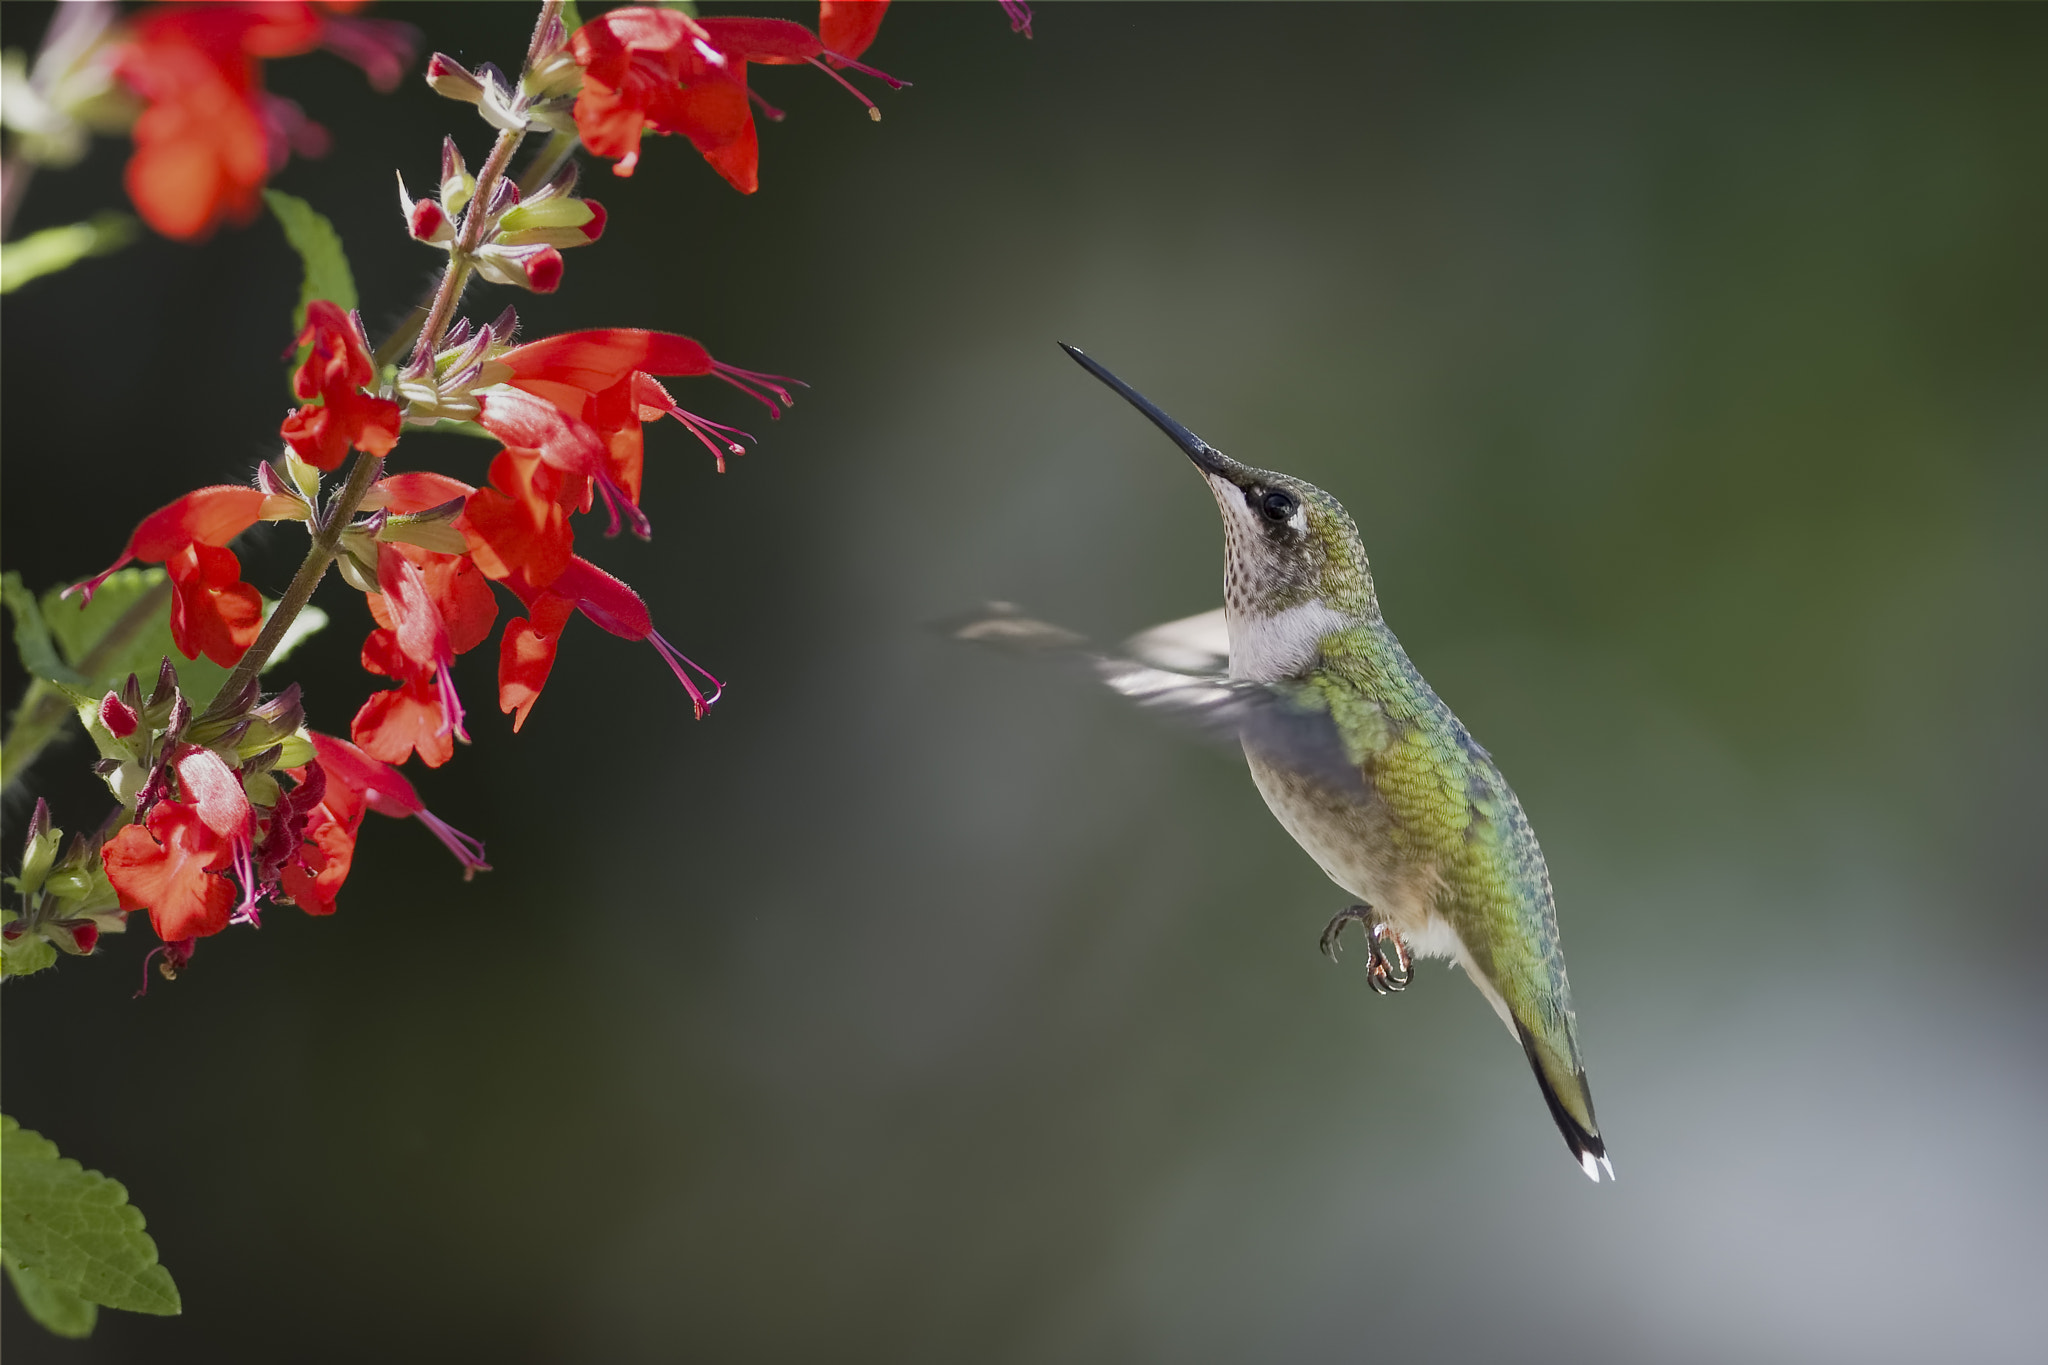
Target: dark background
1683, 369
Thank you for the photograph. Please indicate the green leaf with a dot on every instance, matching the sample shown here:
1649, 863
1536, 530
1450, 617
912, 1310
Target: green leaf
319, 247
53, 249
80, 629
32, 635
76, 1229
60, 1310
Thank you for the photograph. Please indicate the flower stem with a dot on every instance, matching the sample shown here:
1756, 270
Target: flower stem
363, 473
442, 311
326, 544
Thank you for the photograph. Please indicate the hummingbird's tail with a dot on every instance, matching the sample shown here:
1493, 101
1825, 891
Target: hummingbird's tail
1571, 1105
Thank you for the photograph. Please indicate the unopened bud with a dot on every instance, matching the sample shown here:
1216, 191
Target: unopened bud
538, 268
425, 219
561, 223
446, 76
457, 184
115, 715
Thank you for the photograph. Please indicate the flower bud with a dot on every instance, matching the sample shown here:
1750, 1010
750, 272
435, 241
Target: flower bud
457, 184
115, 715
448, 77
559, 223
538, 268
425, 220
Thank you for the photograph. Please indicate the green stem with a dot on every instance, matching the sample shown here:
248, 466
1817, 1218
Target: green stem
326, 544
44, 709
363, 473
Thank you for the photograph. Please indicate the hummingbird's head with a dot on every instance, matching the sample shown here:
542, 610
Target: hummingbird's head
1287, 544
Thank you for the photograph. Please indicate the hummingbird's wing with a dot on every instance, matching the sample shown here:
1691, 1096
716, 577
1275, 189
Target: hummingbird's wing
1194, 644
1287, 724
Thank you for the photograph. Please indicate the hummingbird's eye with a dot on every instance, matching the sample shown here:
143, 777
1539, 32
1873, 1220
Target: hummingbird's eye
1278, 506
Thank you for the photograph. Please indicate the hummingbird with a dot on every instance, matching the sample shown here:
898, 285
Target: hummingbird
1356, 756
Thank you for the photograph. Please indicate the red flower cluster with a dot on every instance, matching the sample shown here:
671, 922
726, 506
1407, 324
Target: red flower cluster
201, 855
335, 372
656, 70
211, 135
244, 805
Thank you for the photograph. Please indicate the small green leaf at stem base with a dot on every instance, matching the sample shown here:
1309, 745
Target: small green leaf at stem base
75, 1229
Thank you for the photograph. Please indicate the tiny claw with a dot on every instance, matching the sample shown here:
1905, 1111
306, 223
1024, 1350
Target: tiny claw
1333, 933
1387, 973
1385, 981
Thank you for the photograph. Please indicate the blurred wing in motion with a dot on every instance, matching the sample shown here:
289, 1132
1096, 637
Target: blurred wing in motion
1180, 670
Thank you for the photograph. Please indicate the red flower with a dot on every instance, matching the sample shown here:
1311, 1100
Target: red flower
171, 865
599, 387
357, 782
211, 134
527, 649
423, 624
655, 70
518, 528
212, 610
336, 370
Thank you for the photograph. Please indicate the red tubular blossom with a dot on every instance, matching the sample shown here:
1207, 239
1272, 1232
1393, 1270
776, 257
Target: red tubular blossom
527, 649
171, 865
213, 612
205, 516
357, 781
418, 634
656, 70
518, 529
601, 384
335, 371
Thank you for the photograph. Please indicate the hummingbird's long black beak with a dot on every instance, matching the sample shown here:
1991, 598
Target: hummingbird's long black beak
1207, 458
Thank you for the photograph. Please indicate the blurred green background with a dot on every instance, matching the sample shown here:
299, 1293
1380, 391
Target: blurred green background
1683, 369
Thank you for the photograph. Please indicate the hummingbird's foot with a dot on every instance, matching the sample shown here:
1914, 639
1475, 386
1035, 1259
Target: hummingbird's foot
1333, 932
1385, 980
1386, 972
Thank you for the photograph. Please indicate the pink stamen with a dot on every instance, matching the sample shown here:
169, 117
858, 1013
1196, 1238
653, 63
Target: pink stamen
679, 664
177, 955
245, 873
873, 112
451, 703
469, 852
865, 69
768, 111
703, 428
752, 383
614, 499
